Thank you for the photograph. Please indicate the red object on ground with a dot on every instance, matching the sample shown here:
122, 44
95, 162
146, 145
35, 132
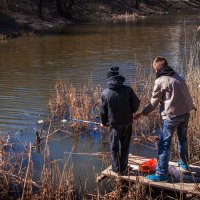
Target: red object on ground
148, 166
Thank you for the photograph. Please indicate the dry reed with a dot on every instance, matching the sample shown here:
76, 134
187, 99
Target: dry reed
3, 39
127, 17
17, 180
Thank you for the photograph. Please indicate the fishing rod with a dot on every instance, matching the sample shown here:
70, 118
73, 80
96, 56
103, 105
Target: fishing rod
82, 121
73, 120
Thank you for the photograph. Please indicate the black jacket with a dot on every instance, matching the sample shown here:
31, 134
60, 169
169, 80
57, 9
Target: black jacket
118, 103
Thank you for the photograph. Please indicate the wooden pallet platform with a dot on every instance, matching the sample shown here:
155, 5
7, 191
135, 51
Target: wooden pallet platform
179, 180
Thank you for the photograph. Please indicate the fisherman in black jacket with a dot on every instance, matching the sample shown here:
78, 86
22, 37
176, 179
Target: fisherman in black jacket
118, 103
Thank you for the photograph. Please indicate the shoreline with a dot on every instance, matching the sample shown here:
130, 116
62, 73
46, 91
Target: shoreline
15, 23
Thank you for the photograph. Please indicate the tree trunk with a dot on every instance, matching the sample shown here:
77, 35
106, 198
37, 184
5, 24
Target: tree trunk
64, 7
40, 8
137, 4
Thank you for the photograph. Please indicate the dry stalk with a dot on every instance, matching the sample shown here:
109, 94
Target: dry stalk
27, 188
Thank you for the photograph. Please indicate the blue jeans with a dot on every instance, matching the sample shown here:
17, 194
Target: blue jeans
179, 124
120, 138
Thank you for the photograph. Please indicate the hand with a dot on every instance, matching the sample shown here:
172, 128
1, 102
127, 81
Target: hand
101, 125
138, 116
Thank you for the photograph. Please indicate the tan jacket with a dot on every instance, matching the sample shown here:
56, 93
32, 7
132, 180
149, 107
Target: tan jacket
173, 95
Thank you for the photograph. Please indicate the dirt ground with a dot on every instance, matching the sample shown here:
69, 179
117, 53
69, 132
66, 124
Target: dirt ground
18, 17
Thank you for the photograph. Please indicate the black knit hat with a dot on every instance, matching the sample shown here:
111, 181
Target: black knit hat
114, 71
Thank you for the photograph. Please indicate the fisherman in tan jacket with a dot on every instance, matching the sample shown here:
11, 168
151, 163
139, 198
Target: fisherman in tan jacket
171, 92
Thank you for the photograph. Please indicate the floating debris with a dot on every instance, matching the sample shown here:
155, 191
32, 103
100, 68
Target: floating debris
64, 121
40, 121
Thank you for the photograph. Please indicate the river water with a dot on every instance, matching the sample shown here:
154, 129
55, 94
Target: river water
30, 66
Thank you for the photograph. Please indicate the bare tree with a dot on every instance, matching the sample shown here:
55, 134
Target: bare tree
40, 8
137, 4
64, 7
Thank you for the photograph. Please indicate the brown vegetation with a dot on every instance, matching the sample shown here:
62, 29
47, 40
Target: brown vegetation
16, 176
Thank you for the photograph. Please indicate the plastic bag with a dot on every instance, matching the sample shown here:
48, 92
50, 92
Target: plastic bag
148, 166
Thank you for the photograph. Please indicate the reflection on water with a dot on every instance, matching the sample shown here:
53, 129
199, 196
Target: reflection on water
30, 66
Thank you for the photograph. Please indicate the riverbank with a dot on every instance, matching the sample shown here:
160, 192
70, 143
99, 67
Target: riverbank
41, 17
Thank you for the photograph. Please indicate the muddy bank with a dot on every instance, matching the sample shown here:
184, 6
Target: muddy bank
43, 17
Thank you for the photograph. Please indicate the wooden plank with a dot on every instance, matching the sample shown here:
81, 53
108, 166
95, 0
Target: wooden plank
188, 182
100, 177
176, 186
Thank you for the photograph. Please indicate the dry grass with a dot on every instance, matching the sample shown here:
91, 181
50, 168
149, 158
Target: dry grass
192, 74
17, 181
75, 103
194, 124
127, 17
3, 39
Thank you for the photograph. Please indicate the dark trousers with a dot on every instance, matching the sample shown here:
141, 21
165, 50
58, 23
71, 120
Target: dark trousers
120, 142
